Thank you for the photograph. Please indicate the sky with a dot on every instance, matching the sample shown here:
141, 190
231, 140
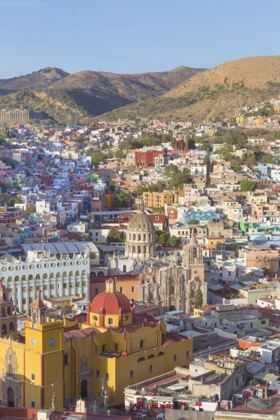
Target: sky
133, 36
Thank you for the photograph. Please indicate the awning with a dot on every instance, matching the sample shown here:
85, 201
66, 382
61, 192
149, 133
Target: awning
267, 377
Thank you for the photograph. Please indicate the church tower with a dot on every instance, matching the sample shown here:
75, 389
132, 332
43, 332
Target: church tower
193, 259
8, 319
44, 359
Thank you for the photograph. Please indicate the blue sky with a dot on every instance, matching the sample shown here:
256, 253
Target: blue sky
133, 36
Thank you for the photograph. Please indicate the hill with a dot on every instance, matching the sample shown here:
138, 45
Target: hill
40, 79
214, 94
80, 96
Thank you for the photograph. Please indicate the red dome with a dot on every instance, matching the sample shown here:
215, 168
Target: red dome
110, 303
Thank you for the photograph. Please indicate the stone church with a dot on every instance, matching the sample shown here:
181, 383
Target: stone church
162, 279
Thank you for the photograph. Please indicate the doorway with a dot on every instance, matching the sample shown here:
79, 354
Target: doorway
84, 389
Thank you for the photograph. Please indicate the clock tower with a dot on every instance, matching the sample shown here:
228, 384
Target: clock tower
44, 359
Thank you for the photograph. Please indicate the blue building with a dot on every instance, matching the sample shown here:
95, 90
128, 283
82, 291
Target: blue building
201, 215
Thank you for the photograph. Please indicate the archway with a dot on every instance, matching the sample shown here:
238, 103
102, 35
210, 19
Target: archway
11, 397
84, 389
4, 329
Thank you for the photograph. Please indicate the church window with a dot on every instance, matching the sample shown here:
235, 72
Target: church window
141, 359
110, 321
132, 289
97, 373
172, 291
124, 268
139, 237
151, 368
103, 348
175, 358
107, 376
160, 354
33, 376
141, 344
32, 404
187, 354
121, 288
131, 374
66, 360
95, 318
151, 356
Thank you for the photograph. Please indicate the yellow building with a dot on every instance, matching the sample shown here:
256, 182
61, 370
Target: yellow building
86, 356
159, 199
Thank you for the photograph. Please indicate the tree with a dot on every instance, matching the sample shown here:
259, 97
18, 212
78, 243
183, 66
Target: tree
269, 159
173, 241
122, 200
115, 235
173, 142
226, 152
97, 157
235, 138
198, 299
206, 147
235, 164
192, 222
247, 185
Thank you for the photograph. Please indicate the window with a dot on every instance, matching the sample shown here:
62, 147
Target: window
103, 348
32, 404
124, 268
132, 289
121, 289
33, 376
107, 376
110, 321
141, 344
175, 358
96, 291
187, 354
116, 346
141, 359
97, 373
131, 374
151, 356
151, 368
160, 354
66, 360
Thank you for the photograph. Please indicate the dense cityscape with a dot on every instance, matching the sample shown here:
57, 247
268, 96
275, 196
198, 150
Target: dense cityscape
139, 210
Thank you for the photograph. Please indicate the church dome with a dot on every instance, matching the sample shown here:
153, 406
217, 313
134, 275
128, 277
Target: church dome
140, 222
140, 241
110, 302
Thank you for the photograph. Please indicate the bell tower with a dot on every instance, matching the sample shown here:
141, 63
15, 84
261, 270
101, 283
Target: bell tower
193, 259
38, 311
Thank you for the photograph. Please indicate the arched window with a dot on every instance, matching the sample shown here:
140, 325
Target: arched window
151, 356
3, 314
4, 329
134, 237
77, 273
30, 277
38, 277
17, 278
57, 275
93, 274
45, 276
84, 273
71, 274
142, 359
100, 273
144, 236
51, 276
8, 311
139, 237
12, 327
110, 321
160, 354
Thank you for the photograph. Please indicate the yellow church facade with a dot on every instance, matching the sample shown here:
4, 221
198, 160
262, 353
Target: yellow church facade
93, 356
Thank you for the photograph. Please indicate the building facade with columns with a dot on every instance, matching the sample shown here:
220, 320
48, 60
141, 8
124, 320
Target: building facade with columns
55, 276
